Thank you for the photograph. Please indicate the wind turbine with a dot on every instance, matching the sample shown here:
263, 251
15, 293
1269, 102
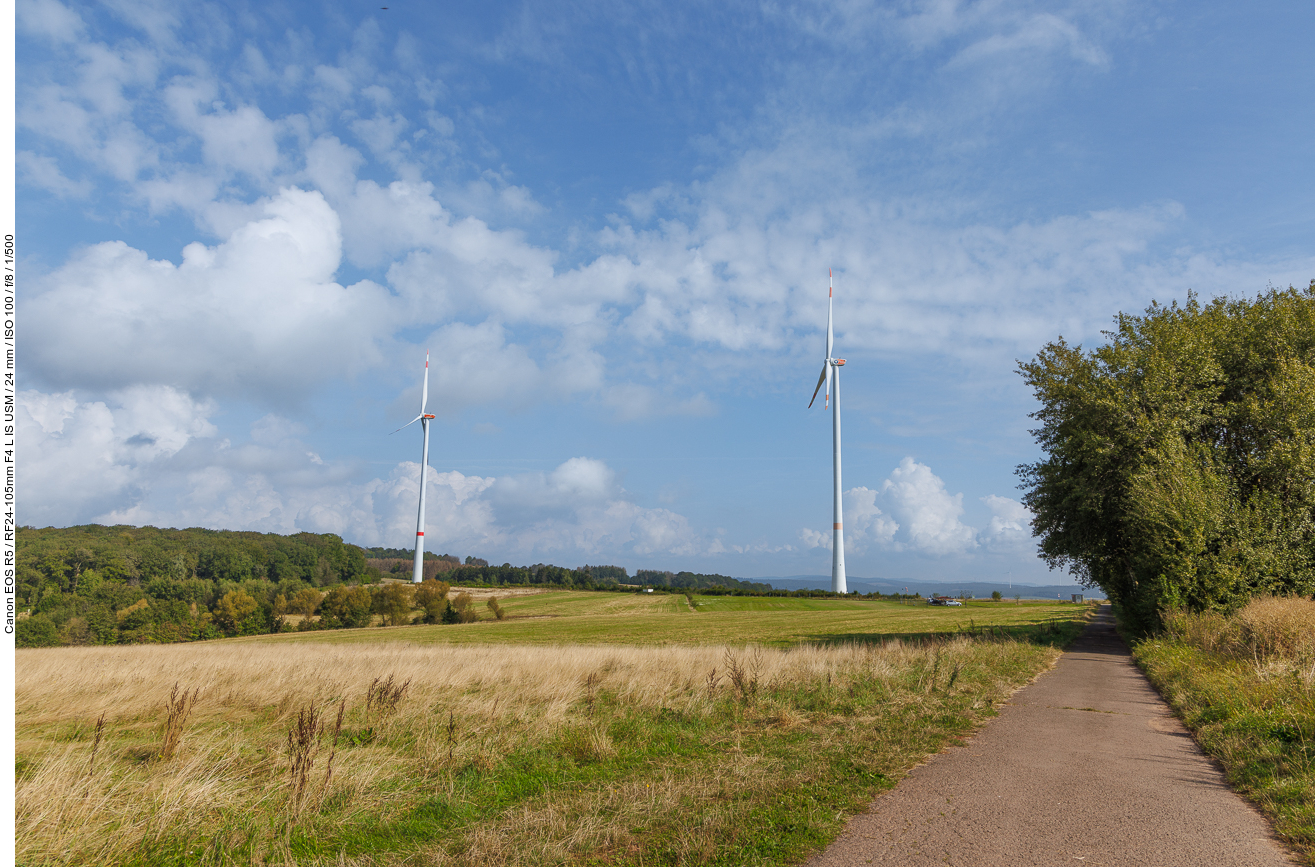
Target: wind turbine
831, 376
418, 574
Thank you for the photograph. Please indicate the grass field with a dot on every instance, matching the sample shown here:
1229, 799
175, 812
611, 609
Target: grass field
587, 729
659, 618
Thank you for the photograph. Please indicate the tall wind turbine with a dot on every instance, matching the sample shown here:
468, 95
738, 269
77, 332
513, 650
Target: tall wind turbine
831, 376
418, 574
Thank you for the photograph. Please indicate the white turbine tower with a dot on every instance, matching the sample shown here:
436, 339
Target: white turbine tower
418, 574
831, 376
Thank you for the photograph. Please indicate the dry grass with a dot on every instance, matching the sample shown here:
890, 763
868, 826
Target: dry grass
1245, 685
245, 777
1278, 630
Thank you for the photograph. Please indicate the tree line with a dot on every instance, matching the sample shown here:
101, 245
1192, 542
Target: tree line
1179, 458
93, 584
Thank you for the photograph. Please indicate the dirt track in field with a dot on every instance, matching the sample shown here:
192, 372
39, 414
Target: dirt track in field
1085, 766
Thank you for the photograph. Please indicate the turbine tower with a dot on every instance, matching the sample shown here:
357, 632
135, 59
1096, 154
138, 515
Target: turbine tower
418, 574
831, 376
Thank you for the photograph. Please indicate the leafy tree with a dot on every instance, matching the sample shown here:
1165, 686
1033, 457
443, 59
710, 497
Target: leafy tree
431, 596
234, 610
1179, 464
345, 607
305, 602
394, 602
35, 631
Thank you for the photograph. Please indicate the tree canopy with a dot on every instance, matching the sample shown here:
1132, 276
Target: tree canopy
1179, 458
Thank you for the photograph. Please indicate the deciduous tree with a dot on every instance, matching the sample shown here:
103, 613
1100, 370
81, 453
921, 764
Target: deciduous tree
1179, 464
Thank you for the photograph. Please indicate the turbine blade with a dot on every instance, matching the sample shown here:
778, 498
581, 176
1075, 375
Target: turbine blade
821, 379
424, 392
411, 422
830, 338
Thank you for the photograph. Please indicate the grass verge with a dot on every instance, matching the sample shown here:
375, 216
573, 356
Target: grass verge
1245, 686
487, 754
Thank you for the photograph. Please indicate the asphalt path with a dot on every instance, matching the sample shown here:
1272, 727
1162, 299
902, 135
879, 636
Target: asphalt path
1086, 765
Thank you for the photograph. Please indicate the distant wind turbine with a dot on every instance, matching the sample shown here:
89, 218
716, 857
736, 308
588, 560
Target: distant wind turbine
831, 376
418, 574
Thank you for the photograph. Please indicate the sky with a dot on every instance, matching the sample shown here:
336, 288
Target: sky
243, 225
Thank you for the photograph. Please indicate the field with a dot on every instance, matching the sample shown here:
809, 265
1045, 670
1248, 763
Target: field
659, 618
586, 729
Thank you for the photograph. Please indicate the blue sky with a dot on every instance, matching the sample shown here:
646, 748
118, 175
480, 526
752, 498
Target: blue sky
611, 225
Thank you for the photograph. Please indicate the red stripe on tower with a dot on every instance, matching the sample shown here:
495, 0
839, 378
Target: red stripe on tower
420, 532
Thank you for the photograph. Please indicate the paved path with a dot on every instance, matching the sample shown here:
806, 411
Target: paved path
1085, 766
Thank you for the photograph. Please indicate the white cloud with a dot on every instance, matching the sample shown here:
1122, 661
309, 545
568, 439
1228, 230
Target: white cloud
150, 456
43, 171
258, 314
927, 514
49, 18
912, 511
1010, 528
79, 458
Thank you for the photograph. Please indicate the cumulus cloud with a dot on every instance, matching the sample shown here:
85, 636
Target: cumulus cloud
151, 455
1010, 527
257, 314
913, 511
81, 458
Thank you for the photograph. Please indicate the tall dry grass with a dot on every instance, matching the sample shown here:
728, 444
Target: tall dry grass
244, 761
1278, 630
1244, 683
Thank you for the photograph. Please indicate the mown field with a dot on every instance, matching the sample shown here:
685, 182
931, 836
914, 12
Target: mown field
587, 728
659, 618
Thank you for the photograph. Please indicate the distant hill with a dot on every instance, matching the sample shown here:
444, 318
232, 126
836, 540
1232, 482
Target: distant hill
977, 589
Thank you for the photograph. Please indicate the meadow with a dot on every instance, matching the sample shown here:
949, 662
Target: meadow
1245, 685
586, 728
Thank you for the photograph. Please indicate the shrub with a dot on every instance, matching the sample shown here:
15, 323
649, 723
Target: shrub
1276, 626
460, 610
497, 610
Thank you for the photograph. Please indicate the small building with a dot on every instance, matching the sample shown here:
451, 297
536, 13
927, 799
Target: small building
1077, 597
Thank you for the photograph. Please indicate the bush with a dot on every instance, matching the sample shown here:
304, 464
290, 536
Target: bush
1178, 468
1273, 626
460, 610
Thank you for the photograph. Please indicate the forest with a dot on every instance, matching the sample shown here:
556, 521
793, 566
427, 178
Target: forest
93, 584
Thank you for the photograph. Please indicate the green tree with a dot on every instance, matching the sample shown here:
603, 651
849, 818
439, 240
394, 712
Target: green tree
431, 596
234, 610
345, 607
1179, 464
35, 631
394, 602
460, 610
